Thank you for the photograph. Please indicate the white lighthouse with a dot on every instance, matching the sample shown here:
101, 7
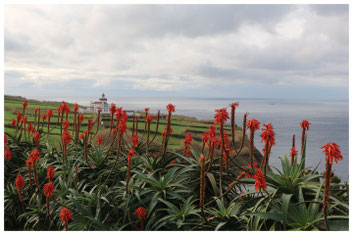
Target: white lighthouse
101, 104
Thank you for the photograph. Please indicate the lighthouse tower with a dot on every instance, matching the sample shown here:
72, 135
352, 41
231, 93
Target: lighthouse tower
101, 104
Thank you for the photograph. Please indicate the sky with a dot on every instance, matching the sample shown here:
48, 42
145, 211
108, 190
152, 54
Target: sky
208, 51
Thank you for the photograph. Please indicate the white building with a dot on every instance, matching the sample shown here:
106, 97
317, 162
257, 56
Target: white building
101, 104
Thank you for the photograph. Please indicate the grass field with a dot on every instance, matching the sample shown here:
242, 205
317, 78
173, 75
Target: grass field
181, 124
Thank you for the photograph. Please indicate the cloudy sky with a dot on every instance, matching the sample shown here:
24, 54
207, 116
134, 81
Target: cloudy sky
250, 51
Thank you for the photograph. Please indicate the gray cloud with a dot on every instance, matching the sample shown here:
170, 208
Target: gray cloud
170, 48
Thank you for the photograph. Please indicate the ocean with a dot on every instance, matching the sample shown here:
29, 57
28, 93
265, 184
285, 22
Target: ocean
329, 121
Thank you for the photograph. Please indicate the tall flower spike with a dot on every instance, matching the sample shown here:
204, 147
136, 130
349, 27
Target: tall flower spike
50, 172
8, 155
305, 126
141, 214
36, 138
19, 183
134, 140
260, 180
332, 152
232, 119
253, 125
99, 140
187, 143
267, 136
171, 109
65, 215
48, 192
221, 116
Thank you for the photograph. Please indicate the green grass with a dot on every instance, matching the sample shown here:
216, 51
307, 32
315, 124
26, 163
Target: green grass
180, 124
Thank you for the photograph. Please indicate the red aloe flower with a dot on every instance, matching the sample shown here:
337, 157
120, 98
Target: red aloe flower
66, 124
171, 108
119, 113
50, 172
221, 116
13, 122
232, 119
66, 139
76, 108
65, 215
67, 110
82, 136
24, 104
48, 192
18, 116
187, 143
90, 124
234, 105
134, 140
260, 180
293, 154
19, 183
29, 127
44, 117
149, 118
122, 128
8, 154
49, 189
267, 135
141, 214
36, 138
204, 139
50, 113
34, 156
81, 117
99, 140
253, 125
187, 152
131, 153
112, 109
332, 151
305, 126
188, 139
